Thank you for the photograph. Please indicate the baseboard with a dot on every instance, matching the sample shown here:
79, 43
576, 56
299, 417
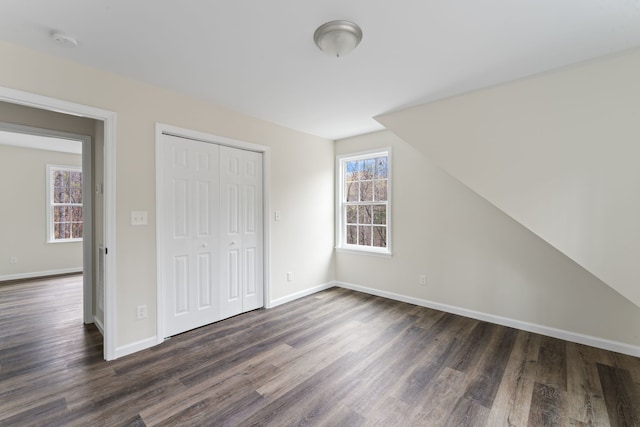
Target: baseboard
40, 274
304, 293
504, 321
128, 349
153, 341
98, 324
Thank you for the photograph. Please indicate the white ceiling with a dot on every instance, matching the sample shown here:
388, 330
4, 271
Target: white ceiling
258, 57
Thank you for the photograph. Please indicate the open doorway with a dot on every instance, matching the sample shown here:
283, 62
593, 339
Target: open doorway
49, 224
25, 109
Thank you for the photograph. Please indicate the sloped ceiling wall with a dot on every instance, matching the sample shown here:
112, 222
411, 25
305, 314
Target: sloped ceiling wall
560, 153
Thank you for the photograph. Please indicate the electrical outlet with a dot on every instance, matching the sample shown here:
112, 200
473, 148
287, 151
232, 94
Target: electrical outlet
289, 276
141, 312
13, 260
422, 279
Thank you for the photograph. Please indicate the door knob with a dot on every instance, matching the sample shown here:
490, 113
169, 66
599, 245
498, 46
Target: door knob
204, 245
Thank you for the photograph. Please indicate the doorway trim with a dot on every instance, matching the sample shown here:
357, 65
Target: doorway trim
165, 129
28, 99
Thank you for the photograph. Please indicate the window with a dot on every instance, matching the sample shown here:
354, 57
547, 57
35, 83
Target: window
64, 203
363, 208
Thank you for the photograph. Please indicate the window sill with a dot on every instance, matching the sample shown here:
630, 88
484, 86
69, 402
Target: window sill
364, 252
65, 241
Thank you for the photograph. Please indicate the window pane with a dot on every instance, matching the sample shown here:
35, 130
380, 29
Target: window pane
76, 230
364, 235
352, 214
368, 169
359, 168
380, 215
381, 167
76, 214
352, 192
352, 234
75, 187
62, 230
366, 191
364, 214
380, 237
381, 191
351, 171
60, 187
61, 214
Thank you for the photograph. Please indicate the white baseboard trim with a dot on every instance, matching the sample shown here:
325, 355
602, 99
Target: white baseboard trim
40, 274
504, 321
99, 325
295, 296
153, 341
144, 344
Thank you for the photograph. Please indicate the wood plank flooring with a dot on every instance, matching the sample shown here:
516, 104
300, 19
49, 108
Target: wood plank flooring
336, 358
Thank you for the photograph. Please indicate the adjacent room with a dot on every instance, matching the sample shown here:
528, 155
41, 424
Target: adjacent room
319, 213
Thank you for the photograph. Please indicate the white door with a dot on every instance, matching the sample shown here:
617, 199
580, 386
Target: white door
211, 231
241, 235
190, 233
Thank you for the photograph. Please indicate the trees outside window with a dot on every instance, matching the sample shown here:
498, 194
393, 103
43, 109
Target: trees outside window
364, 201
64, 203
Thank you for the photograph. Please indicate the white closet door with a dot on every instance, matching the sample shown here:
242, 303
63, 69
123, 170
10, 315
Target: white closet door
190, 232
241, 235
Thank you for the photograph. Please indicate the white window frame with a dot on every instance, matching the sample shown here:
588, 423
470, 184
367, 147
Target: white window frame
341, 226
49, 183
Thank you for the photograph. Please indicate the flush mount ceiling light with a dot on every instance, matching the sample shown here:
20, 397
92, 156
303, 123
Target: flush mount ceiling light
337, 38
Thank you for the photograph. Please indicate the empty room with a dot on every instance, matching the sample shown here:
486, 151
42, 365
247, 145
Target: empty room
337, 213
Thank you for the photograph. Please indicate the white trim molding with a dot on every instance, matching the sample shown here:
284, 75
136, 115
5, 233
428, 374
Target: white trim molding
134, 347
98, 324
341, 204
50, 236
36, 274
297, 295
504, 321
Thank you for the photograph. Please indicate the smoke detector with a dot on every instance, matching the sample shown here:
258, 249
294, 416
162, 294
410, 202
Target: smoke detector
64, 40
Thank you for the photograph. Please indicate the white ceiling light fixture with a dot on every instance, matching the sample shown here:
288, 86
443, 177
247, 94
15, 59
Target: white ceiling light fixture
337, 38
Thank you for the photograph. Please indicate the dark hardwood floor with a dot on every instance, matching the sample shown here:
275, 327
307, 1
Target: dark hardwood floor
336, 358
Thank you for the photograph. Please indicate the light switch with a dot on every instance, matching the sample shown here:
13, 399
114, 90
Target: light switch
276, 215
139, 218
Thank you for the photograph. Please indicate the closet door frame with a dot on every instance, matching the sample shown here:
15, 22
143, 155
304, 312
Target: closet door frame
165, 129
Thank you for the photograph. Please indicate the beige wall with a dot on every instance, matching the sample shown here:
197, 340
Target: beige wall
558, 152
477, 257
301, 176
23, 213
27, 116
